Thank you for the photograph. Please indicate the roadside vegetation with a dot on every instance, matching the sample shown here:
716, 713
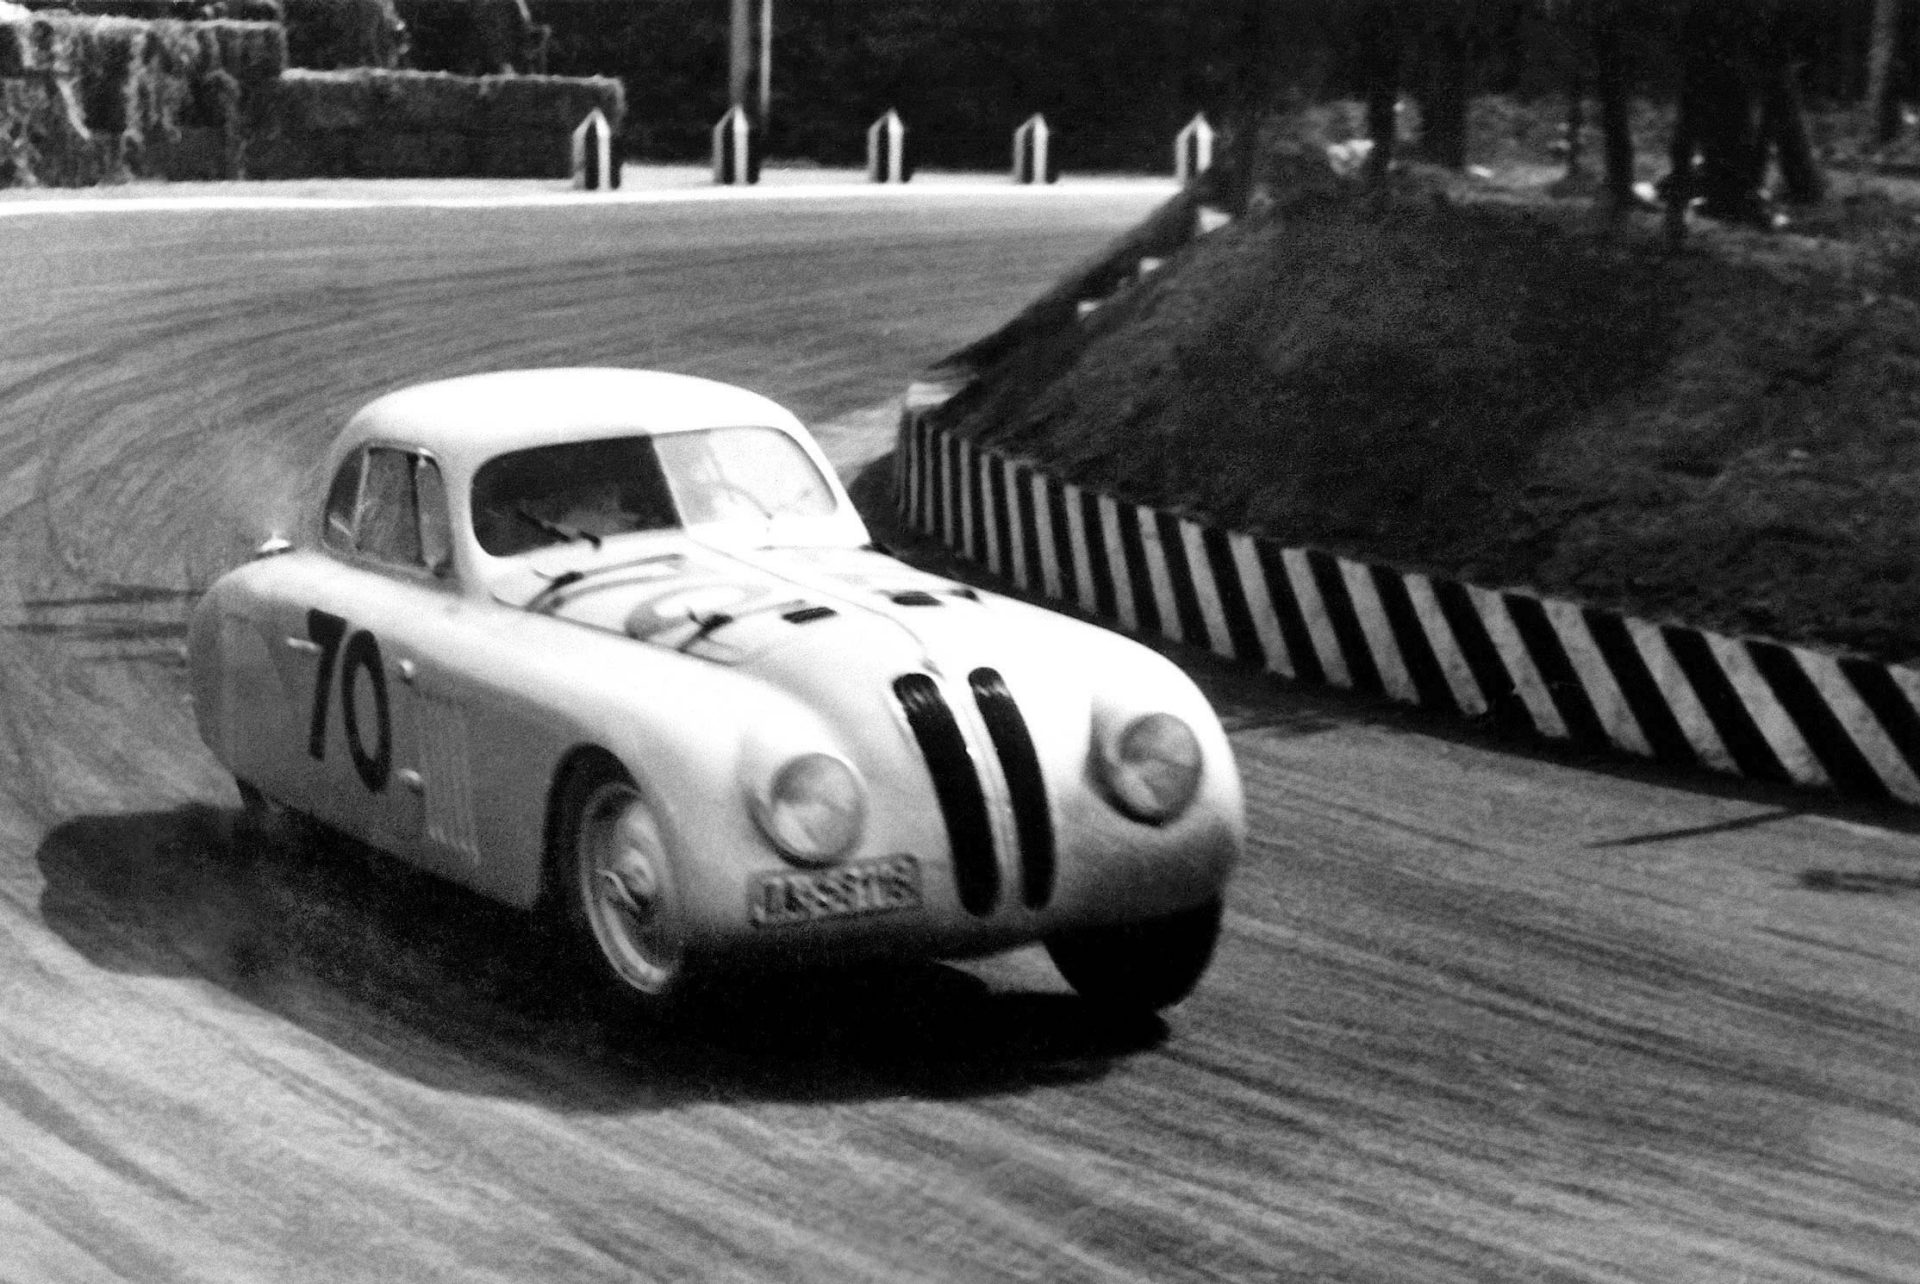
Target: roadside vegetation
1476, 378
1658, 354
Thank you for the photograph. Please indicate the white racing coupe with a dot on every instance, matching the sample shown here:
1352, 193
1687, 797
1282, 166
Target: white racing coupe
615, 647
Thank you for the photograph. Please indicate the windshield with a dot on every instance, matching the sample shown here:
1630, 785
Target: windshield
590, 490
580, 490
731, 474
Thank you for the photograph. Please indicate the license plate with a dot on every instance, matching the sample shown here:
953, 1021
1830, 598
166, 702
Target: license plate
853, 890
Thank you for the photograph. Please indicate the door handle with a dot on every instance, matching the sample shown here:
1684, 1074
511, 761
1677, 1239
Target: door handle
407, 670
306, 646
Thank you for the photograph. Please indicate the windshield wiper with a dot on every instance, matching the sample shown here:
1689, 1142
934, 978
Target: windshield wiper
708, 624
568, 534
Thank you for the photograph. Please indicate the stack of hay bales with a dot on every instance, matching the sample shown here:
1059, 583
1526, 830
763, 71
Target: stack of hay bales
151, 10
90, 98
87, 100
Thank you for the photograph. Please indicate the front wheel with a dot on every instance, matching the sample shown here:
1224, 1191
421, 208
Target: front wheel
615, 888
1141, 966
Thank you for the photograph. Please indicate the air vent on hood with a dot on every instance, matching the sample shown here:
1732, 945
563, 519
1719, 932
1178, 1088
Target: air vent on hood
1026, 787
914, 597
808, 614
956, 784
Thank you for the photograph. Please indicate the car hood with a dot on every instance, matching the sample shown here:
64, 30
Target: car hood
746, 607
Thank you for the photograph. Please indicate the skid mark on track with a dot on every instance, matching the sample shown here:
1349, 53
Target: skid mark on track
1860, 882
1735, 825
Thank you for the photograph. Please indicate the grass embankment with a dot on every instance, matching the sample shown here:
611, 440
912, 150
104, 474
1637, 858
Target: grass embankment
1494, 387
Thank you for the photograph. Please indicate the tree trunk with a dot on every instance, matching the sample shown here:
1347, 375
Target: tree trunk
1881, 111
1610, 83
1381, 43
1718, 122
1784, 123
1443, 97
1575, 128
1254, 88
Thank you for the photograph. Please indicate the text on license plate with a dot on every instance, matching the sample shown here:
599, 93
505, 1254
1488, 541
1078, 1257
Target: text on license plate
845, 891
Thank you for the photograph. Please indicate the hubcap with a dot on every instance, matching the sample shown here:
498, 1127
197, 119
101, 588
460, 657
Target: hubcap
625, 882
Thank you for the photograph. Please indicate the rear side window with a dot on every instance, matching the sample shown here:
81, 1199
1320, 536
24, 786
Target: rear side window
389, 505
343, 501
436, 524
389, 526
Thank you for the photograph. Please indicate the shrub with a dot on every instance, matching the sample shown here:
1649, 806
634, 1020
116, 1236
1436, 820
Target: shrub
325, 34
474, 37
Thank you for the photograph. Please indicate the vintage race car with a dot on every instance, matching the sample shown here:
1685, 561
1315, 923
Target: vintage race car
614, 646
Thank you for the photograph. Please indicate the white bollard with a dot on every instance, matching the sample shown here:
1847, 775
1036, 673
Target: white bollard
594, 166
1193, 149
887, 150
734, 161
1031, 163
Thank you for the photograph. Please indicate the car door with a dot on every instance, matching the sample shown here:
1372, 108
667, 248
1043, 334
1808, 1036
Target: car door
358, 626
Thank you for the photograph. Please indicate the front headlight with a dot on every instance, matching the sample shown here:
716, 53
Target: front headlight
1152, 768
815, 809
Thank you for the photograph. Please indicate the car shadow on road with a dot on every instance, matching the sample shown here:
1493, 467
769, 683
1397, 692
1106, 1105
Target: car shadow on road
438, 984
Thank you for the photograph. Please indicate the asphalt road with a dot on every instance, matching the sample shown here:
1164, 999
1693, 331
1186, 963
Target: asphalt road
1478, 1015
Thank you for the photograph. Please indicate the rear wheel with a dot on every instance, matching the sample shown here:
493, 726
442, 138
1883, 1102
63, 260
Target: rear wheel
614, 888
1141, 966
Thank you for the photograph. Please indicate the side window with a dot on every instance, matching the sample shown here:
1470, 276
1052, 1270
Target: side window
436, 526
389, 527
343, 499
390, 505
390, 521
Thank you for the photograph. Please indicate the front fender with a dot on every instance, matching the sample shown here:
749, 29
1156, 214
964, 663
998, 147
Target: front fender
541, 691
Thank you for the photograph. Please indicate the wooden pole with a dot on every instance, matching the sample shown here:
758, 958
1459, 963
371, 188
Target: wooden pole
740, 61
766, 63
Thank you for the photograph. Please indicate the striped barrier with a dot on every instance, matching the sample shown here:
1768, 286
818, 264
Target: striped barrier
1511, 661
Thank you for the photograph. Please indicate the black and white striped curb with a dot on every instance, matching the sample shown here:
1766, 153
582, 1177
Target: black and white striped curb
1519, 663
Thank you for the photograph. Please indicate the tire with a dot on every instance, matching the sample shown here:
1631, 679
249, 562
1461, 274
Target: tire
619, 918
1143, 966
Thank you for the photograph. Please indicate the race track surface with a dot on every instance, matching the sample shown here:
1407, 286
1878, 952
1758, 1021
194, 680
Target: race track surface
1479, 1015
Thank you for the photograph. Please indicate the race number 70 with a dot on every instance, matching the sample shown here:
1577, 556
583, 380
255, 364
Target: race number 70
362, 655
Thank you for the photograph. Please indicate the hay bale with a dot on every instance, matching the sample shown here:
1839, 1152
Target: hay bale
43, 140
250, 52
508, 126
175, 10
511, 103
316, 102
428, 100
36, 46
189, 152
523, 153
410, 154
368, 99
107, 98
293, 155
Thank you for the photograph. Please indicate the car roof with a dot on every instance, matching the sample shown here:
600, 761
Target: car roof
475, 417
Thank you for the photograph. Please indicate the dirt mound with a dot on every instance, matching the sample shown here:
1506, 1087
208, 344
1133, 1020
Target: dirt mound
1500, 389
